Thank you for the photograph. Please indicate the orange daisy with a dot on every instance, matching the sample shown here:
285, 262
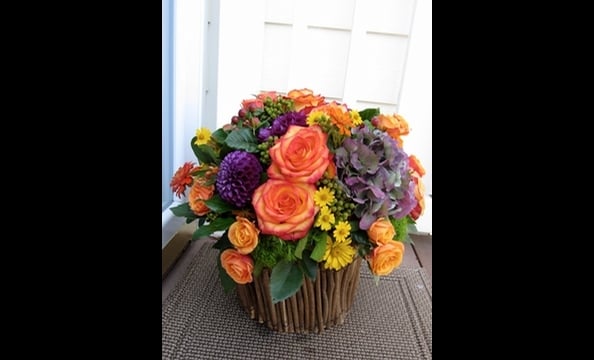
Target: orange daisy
182, 178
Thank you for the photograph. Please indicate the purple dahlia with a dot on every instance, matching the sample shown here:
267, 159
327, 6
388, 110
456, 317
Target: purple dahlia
238, 177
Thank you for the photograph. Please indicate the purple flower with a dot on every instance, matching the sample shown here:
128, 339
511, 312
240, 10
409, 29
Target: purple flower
238, 177
281, 124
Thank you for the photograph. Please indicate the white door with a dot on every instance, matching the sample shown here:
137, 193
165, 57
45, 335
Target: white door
353, 51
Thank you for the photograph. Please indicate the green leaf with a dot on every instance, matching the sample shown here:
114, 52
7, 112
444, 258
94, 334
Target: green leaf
223, 242
318, 252
218, 205
310, 267
242, 139
285, 280
219, 136
300, 246
226, 280
205, 153
369, 113
215, 225
360, 237
183, 210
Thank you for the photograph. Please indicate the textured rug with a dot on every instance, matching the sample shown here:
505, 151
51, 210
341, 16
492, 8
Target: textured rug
389, 321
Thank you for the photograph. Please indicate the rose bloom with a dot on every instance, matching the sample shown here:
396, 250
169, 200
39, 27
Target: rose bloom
243, 234
198, 193
395, 125
305, 98
385, 258
239, 267
301, 155
419, 195
285, 209
381, 231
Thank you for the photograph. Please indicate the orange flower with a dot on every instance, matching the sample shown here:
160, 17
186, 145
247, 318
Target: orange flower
415, 164
243, 234
339, 115
385, 258
305, 98
301, 155
198, 193
381, 231
182, 178
395, 125
285, 209
419, 195
239, 267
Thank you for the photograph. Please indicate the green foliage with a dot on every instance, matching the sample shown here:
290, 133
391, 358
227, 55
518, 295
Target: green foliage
218, 205
300, 246
285, 280
184, 210
217, 224
308, 265
242, 139
223, 242
205, 154
219, 136
401, 227
369, 113
269, 251
320, 248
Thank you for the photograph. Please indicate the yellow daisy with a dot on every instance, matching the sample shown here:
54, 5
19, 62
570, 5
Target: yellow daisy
202, 136
323, 197
356, 118
338, 254
342, 231
325, 219
316, 117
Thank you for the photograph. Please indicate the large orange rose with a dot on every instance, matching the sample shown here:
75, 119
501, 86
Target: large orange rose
239, 267
301, 155
285, 209
385, 258
305, 98
243, 235
381, 231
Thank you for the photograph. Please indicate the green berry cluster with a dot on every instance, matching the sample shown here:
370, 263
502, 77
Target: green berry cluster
263, 148
276, 107
342, 207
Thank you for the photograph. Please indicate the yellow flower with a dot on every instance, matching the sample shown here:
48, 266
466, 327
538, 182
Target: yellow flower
325, 219
342, 231
315, 117
323, 197
356, 118
338, 254
202, 136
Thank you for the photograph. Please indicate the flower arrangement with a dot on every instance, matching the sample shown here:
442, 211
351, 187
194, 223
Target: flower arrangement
295, 181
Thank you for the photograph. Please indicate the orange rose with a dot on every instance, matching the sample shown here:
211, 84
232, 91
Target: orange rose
301, 155
305, 98
395, 125
198, 193
243, 234
385, 258
285, 209
381, 231
239, 267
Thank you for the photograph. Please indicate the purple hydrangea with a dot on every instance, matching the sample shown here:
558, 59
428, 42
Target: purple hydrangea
238, 177
375, 171
281, 124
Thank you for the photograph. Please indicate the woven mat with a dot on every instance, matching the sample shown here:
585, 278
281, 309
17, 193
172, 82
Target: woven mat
391, 320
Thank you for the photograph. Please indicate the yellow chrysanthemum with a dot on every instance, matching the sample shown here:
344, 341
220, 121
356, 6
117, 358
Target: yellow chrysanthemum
325, 219
202, 136
315, 116
323, 197
356, 118
338, 254
342, 231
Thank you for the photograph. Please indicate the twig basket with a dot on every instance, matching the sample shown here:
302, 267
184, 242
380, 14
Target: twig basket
317, 305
